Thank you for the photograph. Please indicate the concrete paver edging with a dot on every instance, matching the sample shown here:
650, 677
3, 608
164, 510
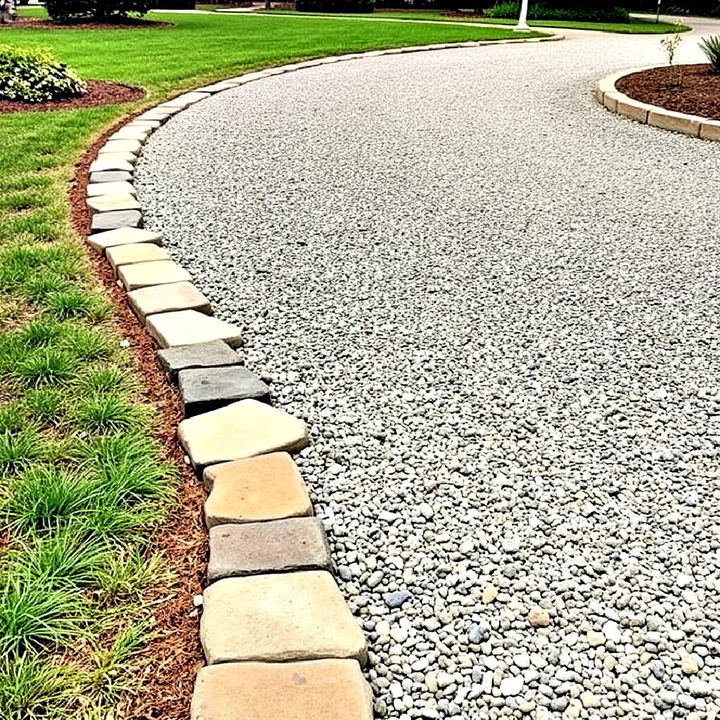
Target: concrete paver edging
242, 441
607, 94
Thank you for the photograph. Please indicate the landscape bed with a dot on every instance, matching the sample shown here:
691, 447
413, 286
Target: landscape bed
690, 89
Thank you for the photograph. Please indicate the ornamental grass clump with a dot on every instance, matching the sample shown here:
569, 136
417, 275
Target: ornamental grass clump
34, 75
711, 47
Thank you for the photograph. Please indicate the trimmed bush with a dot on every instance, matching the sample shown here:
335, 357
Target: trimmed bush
67, 11
711, 47
579, 10
34, 75
335, 6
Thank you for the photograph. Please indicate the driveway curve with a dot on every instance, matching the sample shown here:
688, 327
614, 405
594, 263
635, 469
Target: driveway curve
497, 306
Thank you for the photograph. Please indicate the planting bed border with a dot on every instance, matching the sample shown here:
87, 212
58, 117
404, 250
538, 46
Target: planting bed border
270, 595
608, 95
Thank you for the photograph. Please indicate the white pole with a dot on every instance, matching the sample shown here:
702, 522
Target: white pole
522, 25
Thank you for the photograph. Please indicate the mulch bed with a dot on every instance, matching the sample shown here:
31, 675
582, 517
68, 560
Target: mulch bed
42, 24
172, 659
691, 89
99, 93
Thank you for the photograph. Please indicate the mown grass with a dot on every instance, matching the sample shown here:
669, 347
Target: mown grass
637, 26
82, 485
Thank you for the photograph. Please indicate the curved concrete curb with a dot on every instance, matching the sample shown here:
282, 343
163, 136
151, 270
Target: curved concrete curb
274, 596
607, 94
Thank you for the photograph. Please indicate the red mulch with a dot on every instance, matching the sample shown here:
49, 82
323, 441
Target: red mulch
171, 661
43, 24
99, 93
691, 89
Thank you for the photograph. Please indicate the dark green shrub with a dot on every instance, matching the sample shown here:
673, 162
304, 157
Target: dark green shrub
176, 4
582, 11
711, 47
335, 6
34, 75
702, 8
66, 11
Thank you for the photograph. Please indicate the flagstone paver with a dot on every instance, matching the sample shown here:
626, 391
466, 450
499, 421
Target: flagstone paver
135, 253
131, 146
279, 546
209, 354
204, 389
103, 176
105, 188
106, 155
159, 272
241, 430
267, 487
115, 219
183, 101
106, 163
279, 618
168, 298
124, 236
217, 87
187, 327
131, 132
146, 122
310, 690
113, 201
155, 114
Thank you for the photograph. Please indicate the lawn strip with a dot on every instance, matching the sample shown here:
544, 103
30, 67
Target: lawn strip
636, 26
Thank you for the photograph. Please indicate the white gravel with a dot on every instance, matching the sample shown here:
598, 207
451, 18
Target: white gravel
497, 305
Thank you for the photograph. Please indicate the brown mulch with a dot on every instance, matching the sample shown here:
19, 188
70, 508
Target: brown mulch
99, 93
43, 24
171, 660
690, 89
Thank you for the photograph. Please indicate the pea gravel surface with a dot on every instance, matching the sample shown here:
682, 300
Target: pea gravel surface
496, 304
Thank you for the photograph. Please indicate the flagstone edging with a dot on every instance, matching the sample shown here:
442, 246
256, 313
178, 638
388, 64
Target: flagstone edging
241, 449
607, 94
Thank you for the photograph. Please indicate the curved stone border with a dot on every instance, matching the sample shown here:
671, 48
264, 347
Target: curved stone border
271, 595
617, 102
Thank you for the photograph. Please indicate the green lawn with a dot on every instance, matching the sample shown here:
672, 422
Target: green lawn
637, 26
82, 481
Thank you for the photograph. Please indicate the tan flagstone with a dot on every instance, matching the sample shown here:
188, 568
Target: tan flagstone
188, 327
310, 690
266, 487
279, 618
135, 253
159, 272
123, 236
167, 298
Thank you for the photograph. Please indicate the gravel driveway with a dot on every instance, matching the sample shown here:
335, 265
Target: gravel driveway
497, 306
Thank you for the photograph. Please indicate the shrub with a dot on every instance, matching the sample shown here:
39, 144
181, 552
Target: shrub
34, 75
335, 6
574, 11
67, 11
704, 8
711, 47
